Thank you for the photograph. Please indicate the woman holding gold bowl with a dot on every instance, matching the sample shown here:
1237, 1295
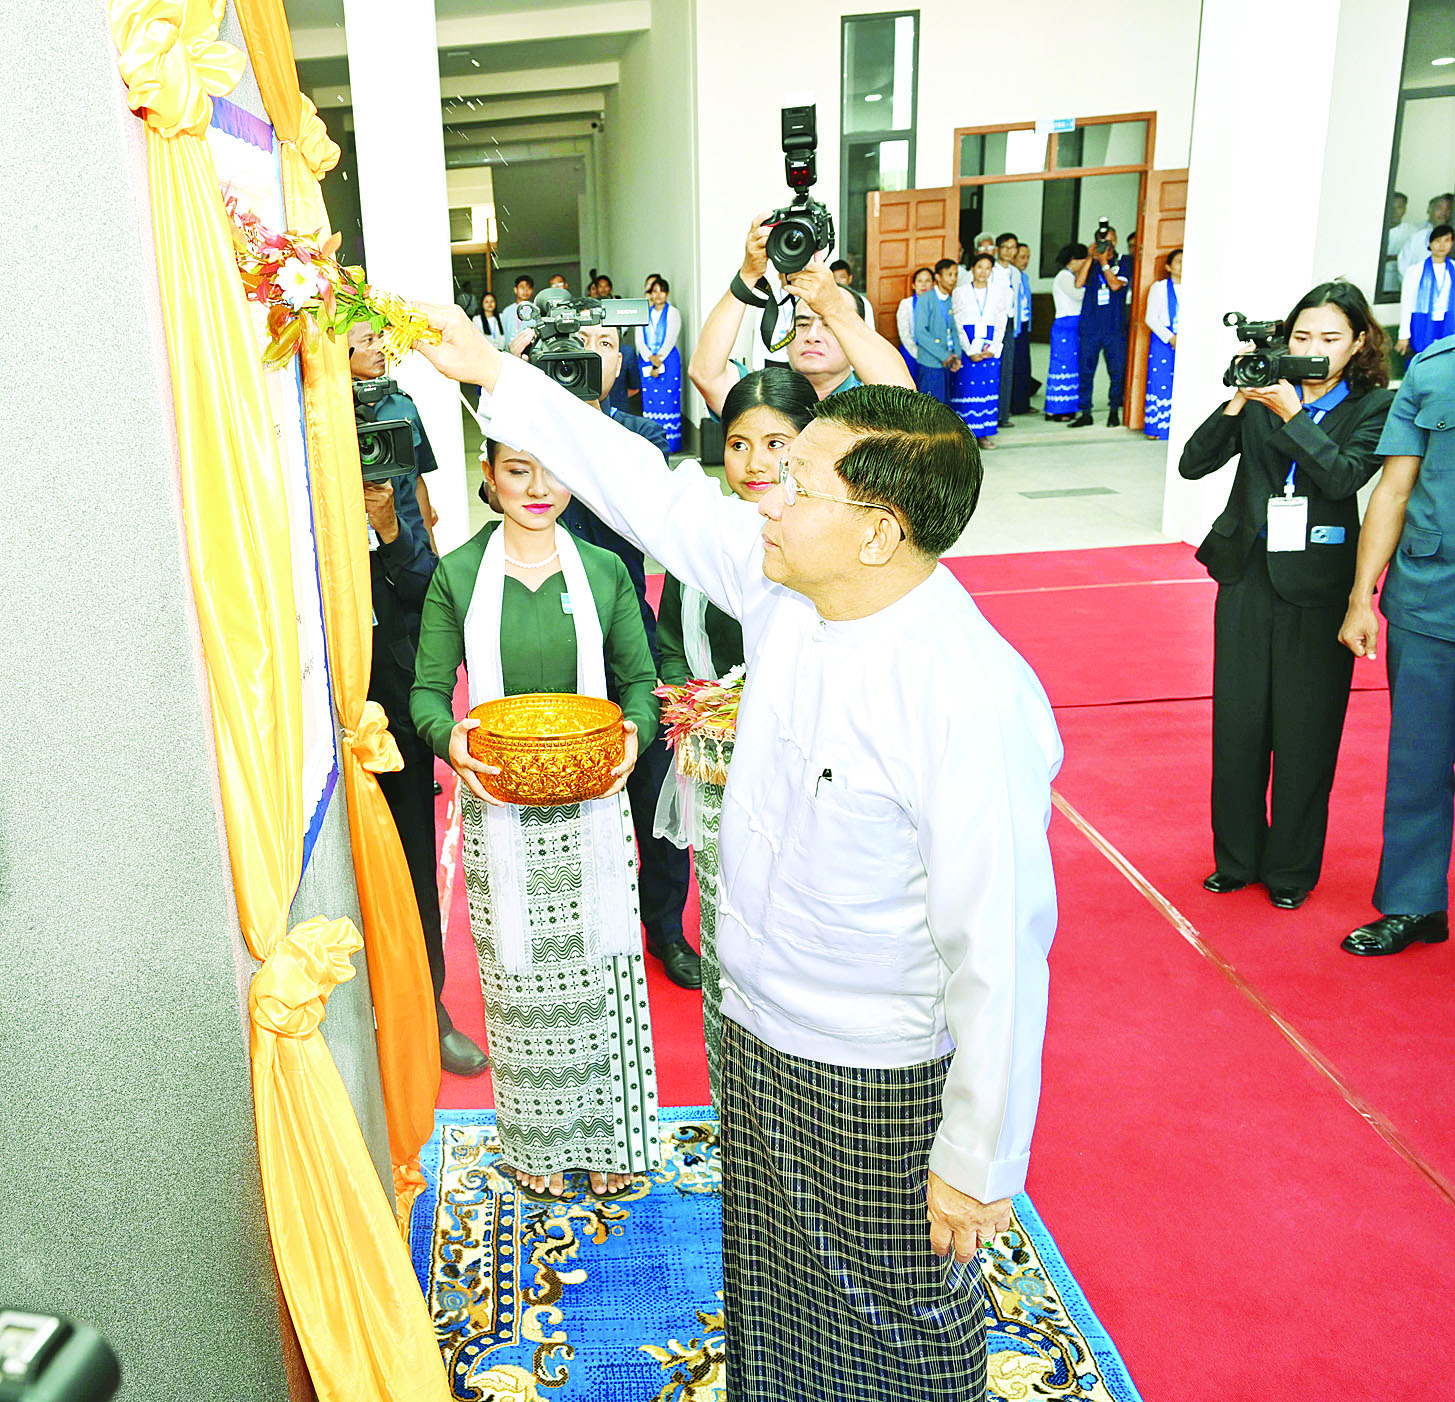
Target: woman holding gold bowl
553, 892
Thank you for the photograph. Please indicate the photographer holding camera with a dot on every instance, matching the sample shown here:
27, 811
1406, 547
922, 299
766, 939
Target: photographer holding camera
1102, 327
829, 343
1306, 419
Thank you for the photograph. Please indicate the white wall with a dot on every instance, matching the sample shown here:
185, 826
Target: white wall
649, 167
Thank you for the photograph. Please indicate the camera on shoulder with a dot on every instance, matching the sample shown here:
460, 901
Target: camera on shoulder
1269, 360
386, 446
803, 226
558, 319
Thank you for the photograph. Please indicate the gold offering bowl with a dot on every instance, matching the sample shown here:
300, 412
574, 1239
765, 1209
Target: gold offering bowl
550, 747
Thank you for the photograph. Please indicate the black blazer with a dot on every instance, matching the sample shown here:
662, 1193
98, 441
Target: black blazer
1335, 458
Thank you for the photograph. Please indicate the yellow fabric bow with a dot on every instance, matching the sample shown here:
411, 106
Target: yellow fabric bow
173, 62
314, 144
373, 746
289, 992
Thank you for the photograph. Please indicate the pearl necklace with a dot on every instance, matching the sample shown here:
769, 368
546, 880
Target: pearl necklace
532, 564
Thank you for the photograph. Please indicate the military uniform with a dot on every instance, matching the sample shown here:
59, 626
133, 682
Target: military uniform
1419, 602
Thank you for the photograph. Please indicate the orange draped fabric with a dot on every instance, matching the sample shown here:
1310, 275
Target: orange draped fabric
393, 939
345, 1272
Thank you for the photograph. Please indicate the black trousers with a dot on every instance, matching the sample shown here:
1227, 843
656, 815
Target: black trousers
1280, 690
410, 795
662, 881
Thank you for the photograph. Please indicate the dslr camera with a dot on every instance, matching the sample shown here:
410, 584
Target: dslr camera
386, 446
558, 318
1269, 361
1102, 242
803, 226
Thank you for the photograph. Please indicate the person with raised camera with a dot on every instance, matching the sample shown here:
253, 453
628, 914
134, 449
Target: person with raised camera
665, 869
528, 609
886, 898
832, 346
1282, 552
1410, 527
1102, 327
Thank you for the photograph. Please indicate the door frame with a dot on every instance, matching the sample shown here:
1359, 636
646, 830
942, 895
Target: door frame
1054, 171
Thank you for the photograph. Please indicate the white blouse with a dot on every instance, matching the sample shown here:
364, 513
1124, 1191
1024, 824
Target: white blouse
904, 322
674, 330
1158, 315
1065, 294
1409, 294
979, 306
885, 893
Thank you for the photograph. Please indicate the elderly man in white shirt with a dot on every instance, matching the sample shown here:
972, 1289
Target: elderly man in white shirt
886, 899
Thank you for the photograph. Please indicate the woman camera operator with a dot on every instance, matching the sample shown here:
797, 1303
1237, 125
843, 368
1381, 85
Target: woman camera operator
1283, 553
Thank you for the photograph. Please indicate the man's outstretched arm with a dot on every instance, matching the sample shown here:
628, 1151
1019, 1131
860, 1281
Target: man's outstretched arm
679, 517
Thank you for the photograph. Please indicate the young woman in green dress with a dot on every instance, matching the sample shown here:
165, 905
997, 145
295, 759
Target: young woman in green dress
762, 414
552, 890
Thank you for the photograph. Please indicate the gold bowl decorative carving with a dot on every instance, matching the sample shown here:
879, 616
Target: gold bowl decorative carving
550, 747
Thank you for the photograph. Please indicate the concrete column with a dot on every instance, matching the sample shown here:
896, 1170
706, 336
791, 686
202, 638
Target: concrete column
1291, 134
394, 79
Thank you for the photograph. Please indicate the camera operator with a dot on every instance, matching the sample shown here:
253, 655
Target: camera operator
1102, 329
832, 346
1410, 526
1283, 553
411, 496
664, 875
401, 566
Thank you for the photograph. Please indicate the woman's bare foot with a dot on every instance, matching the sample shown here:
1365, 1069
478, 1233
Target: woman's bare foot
555, 1185
609, 1182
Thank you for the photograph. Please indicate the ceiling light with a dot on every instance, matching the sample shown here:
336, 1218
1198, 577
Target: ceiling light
874, 97
476, 62
1442, 62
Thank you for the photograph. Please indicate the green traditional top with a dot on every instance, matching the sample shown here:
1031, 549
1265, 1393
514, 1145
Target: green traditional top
537, 639
724, 637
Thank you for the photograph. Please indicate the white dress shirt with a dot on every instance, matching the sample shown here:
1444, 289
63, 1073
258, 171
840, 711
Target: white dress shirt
1006, 277
885, 892
1065, 294
1409, 294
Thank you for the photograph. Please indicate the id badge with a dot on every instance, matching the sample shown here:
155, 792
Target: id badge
1103, 295
1287, 523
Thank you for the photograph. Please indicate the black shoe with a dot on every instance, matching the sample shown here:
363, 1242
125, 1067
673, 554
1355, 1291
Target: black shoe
1080, 421
1009, 423
1391, 934
1220, 883
1113, 419
1287, 897
683, 966
460, 1056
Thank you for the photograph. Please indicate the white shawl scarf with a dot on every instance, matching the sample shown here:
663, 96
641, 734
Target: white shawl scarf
608, 893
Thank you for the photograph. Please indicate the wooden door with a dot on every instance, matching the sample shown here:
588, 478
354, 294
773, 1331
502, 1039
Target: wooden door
1164, 210
907, 229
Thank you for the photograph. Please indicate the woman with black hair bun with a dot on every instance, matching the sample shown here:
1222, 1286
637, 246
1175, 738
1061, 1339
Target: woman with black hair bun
762, 414
1283, 554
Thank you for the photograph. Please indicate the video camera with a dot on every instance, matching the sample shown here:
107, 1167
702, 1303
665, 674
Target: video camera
557, 318
44, 1358
386, 446
1270, 361
803, 226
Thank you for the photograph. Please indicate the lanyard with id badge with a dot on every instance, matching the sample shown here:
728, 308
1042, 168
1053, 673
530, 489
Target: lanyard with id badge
1288, 514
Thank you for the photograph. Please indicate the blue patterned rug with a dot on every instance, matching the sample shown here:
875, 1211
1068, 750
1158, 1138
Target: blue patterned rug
620, 1299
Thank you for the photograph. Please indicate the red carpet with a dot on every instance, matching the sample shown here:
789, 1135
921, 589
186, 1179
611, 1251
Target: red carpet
1226, 1199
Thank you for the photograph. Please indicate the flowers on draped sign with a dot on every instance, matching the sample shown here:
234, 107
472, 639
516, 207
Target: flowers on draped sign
702, 724
308, 294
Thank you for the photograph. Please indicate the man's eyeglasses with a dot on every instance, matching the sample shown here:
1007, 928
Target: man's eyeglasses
792, 491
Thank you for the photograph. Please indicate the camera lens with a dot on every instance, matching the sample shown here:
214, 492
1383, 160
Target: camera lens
373, 449
569, 374
791, 245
